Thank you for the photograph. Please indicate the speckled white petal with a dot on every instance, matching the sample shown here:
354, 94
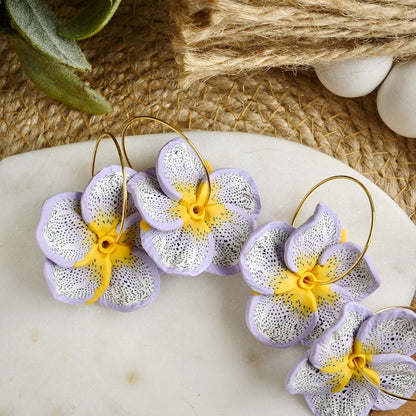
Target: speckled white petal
156, 208
305, 378
277, 321
71, 285
132, 285
306, 243
361, 281
328, 312
261, 258
62, 234
237, 188
179, 251
391, 331
337, 341
356, 399
178, 169
398, 375
102, 199
229, 236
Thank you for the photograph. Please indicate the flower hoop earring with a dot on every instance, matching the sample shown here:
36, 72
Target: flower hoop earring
301, 277
90, 240
361, 363
195, 219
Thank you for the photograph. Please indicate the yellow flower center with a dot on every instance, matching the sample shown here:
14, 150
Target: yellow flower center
307, 281
353, 364
104, 253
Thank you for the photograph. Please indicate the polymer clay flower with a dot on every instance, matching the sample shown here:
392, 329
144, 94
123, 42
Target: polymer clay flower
87, 259
330, 375
186, 230
286, 268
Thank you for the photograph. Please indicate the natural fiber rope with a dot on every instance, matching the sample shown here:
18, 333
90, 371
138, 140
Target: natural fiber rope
232, 36
134, 67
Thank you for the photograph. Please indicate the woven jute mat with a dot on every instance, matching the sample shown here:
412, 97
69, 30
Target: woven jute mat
134, 67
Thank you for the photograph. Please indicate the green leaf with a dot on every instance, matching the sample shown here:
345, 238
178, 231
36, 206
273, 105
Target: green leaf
58, 81
90, 20
39, 26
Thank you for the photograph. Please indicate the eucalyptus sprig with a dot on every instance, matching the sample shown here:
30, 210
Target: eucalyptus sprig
48, 51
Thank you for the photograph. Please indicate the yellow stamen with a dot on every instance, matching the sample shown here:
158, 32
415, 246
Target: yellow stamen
105, 280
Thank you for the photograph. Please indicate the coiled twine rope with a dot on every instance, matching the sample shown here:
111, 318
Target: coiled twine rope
232, 36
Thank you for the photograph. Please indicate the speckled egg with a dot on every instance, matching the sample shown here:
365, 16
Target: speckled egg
396, 99
354, 77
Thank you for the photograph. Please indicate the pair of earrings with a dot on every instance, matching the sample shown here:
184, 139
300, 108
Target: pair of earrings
111, 243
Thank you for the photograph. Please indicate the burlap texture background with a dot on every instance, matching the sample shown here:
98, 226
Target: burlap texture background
134, 67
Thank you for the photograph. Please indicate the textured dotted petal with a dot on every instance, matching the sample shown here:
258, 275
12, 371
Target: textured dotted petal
356, 399
361, 281
61, 233
102, 199
229, 236
133, 284
262, 263
156, 208
305, 378
179, 251
71, 285
237, 188
337, 341
397, 374
178, 169
278, 320
391, 331
307, 242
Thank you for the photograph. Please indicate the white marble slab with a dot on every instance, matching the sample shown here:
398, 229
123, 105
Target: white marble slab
189, 352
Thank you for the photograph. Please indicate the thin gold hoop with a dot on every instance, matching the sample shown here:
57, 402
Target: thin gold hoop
372, 382
176, 130
370, 234
123, 168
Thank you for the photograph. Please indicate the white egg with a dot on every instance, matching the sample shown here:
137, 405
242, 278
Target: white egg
354, 77
396, 99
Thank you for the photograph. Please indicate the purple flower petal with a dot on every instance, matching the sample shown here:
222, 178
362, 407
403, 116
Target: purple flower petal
398, 375
181, 251
178, 169
304, 378
71, 285
280, 321
328, 312
262, 263
361, 281
237, 188
156, 208
337, 342
356, 399
229, 236
62, 234
102, 200
391, 331
133, 284
306, 243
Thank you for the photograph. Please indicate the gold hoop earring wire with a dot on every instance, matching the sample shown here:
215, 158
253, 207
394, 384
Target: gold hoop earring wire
372, 382
123, 168
370, 234
176, 130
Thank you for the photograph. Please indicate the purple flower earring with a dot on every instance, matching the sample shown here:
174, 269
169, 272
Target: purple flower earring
301, 277
194, 219
361, 363
92, 245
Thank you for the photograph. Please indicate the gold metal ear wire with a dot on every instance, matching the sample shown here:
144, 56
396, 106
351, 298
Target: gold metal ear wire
176, 130
370, 234
382, 389
123, 168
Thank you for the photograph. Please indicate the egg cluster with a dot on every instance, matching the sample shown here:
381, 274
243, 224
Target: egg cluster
358, 77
